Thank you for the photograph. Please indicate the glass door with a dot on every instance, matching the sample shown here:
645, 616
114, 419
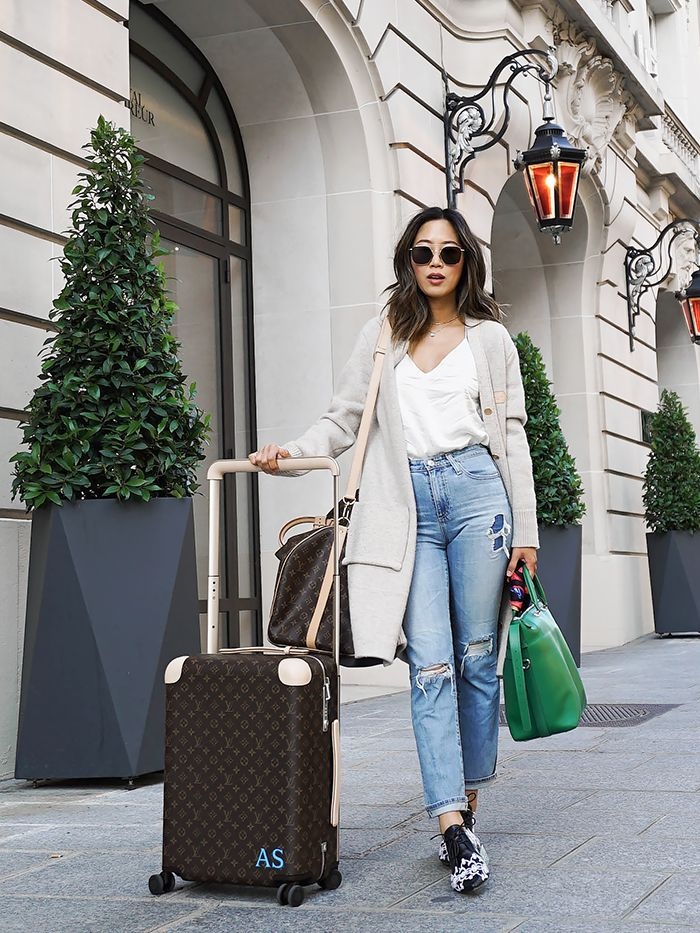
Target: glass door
210, 298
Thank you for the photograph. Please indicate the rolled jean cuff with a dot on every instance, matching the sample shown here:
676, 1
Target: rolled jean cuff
481, 781
447, 806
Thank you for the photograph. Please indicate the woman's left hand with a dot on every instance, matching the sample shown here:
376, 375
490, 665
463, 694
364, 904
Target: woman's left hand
527, 554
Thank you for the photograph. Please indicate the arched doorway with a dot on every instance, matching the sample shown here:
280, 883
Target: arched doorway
678, 359
196, 169
540, 285
550, 292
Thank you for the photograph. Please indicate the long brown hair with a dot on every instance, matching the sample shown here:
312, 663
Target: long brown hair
409, 309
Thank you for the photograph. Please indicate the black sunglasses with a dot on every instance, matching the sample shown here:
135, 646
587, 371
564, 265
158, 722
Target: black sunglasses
422, 255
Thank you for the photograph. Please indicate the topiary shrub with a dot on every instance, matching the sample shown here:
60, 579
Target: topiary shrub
558, 485
112, 416
671, 494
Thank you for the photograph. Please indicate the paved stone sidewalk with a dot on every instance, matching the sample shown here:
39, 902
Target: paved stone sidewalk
592, 831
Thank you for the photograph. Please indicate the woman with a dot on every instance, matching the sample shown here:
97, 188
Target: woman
446, 487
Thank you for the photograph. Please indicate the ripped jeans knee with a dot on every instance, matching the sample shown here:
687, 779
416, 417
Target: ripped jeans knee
498, 534
434, 674
477, 649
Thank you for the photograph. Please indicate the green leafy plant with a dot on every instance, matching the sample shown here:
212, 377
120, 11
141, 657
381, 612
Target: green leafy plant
670, 493
112, 416
558, 486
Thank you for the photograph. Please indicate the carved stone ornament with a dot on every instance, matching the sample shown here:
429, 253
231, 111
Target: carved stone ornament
591, 97
685, 257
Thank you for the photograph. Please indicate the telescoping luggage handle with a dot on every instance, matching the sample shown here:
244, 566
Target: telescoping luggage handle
215, 476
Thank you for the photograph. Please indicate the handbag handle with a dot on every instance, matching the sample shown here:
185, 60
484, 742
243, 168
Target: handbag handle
534, 589
519, 674
318, 520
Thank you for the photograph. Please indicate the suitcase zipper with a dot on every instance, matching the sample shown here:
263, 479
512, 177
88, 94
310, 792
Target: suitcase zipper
324, 849
326, 701
326, 692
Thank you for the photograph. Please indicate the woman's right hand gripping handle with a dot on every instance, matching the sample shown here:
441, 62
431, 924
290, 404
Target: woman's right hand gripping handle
266, 457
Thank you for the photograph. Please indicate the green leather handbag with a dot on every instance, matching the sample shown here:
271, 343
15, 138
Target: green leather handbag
543, 690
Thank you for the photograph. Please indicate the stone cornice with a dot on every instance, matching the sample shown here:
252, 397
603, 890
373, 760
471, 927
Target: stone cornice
588, 17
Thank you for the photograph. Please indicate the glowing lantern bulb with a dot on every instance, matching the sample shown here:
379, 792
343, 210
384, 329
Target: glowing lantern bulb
550, 181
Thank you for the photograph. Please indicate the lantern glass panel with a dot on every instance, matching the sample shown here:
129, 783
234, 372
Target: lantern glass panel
691, 312
528, 188
544, 183
568, 177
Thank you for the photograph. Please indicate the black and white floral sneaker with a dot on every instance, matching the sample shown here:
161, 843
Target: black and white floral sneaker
468, 869
469, 818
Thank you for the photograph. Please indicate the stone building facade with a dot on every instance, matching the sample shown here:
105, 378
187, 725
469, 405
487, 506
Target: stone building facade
291, 141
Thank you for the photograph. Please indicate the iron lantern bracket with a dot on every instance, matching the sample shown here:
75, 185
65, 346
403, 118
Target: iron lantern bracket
465, 118
648, 267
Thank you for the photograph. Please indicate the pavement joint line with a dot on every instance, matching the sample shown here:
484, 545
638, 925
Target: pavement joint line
430, 884
586, 796
647, 895
658, 819
272, 906
62, 853
675, 925
180, 894
33, 869
110, 898
97, 825
42, 827
571, 851
174, 924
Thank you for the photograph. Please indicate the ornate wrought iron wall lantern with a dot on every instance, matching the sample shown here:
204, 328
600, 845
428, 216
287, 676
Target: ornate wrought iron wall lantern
647, 268
552, 166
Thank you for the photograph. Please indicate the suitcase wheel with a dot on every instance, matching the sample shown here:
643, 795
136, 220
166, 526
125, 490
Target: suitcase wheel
333, 881
291, 894
162, 883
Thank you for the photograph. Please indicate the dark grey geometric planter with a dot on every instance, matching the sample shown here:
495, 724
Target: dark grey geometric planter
559, 571
112, 599
674, 560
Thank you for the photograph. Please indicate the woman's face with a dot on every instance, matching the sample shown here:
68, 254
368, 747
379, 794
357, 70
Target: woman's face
437, 279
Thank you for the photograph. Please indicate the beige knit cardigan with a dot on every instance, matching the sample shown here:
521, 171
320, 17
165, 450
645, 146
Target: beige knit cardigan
381, 541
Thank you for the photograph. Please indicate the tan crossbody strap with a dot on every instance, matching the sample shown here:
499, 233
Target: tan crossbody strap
372, 392
355, 470
323, 593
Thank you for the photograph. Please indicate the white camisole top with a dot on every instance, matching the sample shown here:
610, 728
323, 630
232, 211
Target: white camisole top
440, 409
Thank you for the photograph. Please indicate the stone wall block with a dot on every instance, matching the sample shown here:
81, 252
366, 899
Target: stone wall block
14, 537
419, 178
626, 456
95, 45
27, 282
21, 363
53, 106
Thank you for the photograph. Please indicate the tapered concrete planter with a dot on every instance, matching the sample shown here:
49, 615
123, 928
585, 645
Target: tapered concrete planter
559, 571
674, 559
112, 598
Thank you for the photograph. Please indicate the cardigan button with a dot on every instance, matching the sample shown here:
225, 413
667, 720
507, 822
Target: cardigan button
495, 456
488, 411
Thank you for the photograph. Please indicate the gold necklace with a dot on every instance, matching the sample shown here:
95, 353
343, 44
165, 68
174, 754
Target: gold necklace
432, 333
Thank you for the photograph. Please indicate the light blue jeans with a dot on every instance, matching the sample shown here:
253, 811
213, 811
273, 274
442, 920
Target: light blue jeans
451, 621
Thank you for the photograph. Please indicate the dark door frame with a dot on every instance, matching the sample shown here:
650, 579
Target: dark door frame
231, 604
220, 248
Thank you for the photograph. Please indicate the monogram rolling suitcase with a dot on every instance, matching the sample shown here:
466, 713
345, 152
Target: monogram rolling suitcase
252, 744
